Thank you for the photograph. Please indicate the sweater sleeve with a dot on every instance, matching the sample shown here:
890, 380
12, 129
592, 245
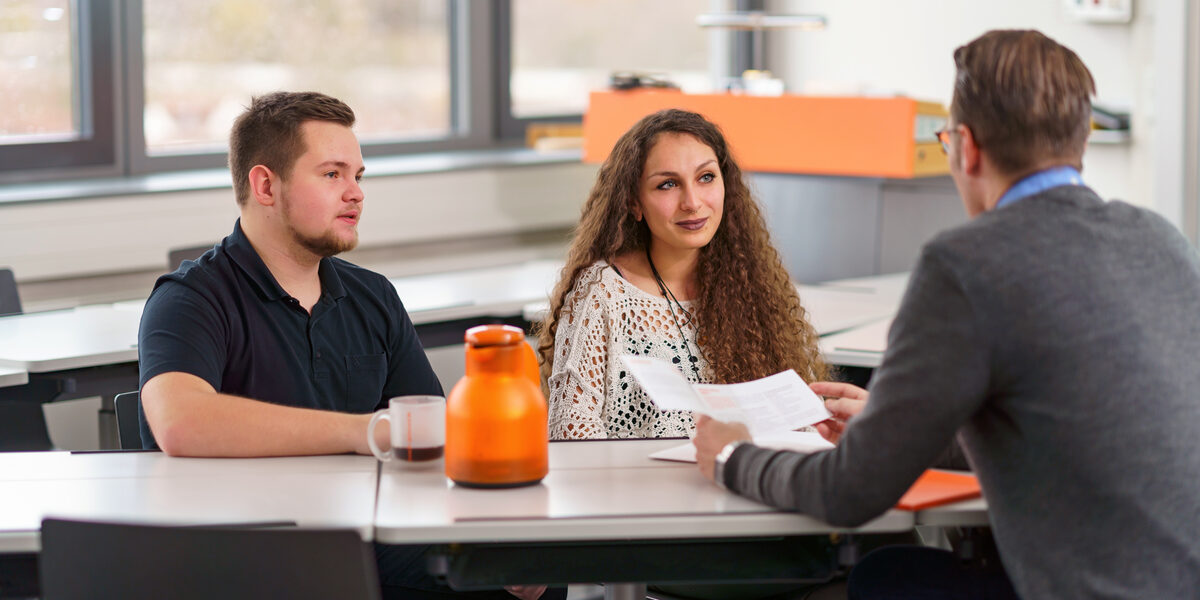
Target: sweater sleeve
934, 376
577, 382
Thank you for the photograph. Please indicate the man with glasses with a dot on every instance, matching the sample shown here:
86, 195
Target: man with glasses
1055, 335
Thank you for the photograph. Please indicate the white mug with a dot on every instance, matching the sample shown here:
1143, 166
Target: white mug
418, 428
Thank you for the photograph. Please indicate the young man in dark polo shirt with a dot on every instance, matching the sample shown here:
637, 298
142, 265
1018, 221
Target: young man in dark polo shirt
267, 345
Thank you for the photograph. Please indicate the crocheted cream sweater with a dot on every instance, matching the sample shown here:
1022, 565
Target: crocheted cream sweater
591, 394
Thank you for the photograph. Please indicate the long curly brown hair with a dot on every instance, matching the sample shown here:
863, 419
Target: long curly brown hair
750, 323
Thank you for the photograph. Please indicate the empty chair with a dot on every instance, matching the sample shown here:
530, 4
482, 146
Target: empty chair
83, 559
126, 407
10, 300
176, 256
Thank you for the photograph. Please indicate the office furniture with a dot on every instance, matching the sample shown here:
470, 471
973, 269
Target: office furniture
321, 492
10, 299
815, 135
23, 427
601, 499
10, 376
84, 560
74, 353
176, 256
128, 433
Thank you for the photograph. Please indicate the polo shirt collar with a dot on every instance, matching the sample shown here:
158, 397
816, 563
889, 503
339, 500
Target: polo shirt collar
239, 249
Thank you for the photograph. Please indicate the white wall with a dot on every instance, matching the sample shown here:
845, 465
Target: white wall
92, 236
906, 47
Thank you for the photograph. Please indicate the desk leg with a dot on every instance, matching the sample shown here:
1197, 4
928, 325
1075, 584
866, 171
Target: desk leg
624, 591
106, 421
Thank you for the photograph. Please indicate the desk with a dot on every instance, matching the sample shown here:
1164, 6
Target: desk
487, 292
598, 495
151, 487
13, 376
603, 494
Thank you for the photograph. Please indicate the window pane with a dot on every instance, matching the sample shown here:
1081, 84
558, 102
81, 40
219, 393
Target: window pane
204, 59
36, 71
564, 49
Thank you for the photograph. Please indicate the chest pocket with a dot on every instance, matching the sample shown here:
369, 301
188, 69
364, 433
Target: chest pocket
365, 377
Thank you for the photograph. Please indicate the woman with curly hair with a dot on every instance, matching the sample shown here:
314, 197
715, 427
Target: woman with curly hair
671, 259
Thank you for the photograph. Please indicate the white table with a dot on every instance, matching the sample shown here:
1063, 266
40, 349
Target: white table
859, 347
151, 487
597, 492
486, 292
87, 336
13, 376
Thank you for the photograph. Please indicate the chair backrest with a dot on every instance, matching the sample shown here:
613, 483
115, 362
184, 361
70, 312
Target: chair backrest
128, 434
82, 559
10, 299
176, 256
23, 427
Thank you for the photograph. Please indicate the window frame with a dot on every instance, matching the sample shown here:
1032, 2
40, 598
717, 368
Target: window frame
470, 127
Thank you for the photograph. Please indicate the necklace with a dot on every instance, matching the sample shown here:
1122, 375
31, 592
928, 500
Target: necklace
672, 302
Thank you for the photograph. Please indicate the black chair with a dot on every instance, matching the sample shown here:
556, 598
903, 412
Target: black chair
126, 407
84, 560
23, 427
176, 256
10, 299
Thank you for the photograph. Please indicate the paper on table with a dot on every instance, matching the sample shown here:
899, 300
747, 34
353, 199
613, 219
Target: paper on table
780, 402
797, 441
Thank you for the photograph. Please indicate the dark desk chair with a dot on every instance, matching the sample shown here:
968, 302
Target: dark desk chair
10, 300
126, 407
23, 427
84, 560
176, 256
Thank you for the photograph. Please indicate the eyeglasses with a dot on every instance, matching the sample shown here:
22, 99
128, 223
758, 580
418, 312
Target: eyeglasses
943, 136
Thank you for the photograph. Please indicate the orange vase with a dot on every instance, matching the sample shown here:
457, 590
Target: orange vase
496, 433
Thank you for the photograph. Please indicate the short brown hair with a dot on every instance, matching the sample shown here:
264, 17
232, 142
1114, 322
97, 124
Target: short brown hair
268, 133
1025, 97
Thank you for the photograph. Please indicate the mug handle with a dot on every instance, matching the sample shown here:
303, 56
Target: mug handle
379, 416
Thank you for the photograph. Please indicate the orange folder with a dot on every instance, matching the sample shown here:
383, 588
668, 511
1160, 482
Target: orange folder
934, 488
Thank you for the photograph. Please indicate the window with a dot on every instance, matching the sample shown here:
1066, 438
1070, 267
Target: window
422, 75
559, 51
56, 86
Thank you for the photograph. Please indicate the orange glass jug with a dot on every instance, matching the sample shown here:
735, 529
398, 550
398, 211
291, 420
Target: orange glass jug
496, 433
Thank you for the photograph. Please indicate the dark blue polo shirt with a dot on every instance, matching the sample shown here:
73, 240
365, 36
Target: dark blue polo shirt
224, 319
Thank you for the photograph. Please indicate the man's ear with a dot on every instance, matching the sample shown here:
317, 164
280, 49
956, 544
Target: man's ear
968, 152
264, 185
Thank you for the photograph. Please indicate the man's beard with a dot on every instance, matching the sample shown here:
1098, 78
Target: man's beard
324, 245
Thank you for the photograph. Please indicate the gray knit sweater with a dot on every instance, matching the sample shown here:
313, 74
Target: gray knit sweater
1059, 337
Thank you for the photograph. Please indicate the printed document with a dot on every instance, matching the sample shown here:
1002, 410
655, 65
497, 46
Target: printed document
780, 402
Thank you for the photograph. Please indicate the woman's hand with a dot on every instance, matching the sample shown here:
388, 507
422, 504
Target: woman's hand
711, 437
844, 401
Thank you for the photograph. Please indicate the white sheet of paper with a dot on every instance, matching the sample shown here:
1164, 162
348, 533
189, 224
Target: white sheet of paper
663, 383
780, 402
797, 441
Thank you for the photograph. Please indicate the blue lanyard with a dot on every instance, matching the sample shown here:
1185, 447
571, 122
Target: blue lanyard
1040, 182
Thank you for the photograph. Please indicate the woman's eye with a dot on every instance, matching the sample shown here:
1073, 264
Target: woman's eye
666, 185
707, 177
